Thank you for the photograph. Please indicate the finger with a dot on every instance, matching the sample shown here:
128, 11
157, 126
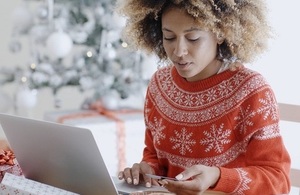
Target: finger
190, 172
127, 175
163, 183
146, 168
194, 185
121, 175
155, 182
136, 171
182, 187
170, 186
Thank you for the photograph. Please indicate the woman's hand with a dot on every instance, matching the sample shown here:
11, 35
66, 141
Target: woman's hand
136, 174
193, 181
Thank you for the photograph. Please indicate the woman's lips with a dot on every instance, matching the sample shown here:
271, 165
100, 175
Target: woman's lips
183, 65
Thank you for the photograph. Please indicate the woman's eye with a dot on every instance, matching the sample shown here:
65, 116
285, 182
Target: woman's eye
169, 38
193, 39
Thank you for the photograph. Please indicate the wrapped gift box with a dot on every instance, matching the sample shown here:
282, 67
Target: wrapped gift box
13, 168
120, 139
19, 185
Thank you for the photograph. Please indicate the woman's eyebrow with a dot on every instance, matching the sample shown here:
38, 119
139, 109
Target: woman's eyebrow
165, 29
188, 30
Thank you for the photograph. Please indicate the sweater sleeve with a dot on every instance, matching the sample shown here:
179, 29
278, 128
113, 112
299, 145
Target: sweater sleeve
149, 153
267, 162
266, 172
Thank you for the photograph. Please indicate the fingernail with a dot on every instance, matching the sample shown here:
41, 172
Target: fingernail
163, 182
135, 182
129, 180
179, 177
120, 175
148, 184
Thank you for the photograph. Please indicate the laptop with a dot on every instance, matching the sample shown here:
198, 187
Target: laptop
62, 156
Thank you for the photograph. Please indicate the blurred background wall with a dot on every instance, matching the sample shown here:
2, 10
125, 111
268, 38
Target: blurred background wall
280, 65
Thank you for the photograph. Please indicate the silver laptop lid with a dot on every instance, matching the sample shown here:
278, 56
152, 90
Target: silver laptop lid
63, 156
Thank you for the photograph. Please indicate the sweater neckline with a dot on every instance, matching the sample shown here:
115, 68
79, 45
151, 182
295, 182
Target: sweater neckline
201, 84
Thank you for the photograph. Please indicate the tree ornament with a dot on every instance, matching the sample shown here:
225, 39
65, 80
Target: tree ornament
59, 44
99, 11
109, 53
118, 21
42, 13
112, 36
22, 19
26, 98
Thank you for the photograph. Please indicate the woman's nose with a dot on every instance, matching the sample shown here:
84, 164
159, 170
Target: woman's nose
180, 48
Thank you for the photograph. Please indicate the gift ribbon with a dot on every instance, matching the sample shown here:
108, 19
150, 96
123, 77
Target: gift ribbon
111, 114
7, 157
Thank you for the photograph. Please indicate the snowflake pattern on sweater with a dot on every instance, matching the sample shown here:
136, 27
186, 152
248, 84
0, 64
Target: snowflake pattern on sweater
216, 138
219, 121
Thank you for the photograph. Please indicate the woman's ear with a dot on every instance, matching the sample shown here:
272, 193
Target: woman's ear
220, 39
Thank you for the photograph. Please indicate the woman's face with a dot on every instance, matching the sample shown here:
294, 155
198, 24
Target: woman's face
192, 50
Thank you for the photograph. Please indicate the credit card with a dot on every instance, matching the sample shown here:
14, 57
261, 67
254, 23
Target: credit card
158, 177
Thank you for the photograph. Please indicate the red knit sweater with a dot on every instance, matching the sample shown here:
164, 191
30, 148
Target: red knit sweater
229, 120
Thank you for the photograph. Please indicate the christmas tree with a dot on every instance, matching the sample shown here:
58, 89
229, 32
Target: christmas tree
74, 42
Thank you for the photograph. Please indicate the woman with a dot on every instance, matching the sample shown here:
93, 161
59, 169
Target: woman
210, 122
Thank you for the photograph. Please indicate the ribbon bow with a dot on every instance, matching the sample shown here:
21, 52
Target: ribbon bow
7, 157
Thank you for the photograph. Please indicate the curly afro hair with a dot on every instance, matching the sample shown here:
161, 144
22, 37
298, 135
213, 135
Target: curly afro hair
241, 23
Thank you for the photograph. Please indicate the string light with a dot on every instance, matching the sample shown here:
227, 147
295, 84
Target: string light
89, 54
24, 79
124, 44
33, 66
